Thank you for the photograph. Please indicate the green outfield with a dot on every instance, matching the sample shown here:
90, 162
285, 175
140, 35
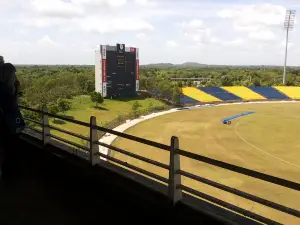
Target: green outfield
267, 141
83, 108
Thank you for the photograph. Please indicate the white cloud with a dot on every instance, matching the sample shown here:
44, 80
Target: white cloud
57, 8
40, 22
238, 42
200, 36
209, 31
192, 24
262, 35
95, 16
46, 41
141, 35
254, 17
99, 3
102, 25
171, 44
283, 44
145, 2
195, 31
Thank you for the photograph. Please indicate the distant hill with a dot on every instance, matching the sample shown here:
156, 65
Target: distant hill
191, 65
199, 65
159, 65
183, 65
170, 65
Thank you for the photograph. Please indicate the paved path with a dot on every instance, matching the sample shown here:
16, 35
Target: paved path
109, 138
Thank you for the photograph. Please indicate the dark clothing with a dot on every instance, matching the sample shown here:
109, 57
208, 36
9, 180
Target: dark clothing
8, 106
8, 99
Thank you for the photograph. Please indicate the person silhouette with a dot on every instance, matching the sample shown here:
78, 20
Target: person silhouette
1, 60
10, 116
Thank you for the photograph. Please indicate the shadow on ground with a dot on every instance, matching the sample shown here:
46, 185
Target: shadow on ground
61, 122
100, 108
127, 99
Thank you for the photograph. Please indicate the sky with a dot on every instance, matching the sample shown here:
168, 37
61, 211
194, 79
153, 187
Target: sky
226, 32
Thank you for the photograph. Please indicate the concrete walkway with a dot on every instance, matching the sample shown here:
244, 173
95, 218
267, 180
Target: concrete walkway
109, 138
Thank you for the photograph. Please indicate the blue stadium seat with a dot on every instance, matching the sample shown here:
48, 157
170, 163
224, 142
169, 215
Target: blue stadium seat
220, 93
269, 93
185, 100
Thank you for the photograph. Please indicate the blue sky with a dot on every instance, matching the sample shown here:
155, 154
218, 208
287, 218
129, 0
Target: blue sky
205, 31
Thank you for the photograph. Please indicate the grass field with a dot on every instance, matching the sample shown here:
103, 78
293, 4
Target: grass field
267, 141
83, 109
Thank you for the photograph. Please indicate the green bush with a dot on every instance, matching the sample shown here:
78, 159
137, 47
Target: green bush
97, 98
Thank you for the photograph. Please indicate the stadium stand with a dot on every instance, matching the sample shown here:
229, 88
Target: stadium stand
187, 100
269, 93
244, 93
237, 93
220, 93
292, 92
199, 95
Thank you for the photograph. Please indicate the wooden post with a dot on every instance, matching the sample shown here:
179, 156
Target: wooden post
46, 129
94, 148
174, 194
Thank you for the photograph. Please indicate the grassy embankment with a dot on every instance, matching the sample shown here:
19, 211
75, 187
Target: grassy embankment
83, 109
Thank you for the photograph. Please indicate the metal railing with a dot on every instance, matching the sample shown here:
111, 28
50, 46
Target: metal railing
173, 182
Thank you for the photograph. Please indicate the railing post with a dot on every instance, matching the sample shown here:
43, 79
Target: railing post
94, 148
174, 193
46, 128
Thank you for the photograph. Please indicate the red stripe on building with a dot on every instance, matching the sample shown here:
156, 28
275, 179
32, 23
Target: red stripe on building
137, 69
104, 70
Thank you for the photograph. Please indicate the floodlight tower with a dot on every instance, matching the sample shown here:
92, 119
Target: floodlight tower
288, 25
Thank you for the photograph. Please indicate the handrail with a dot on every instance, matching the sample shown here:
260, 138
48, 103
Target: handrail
145, 172
245, 195
123, 135
153, 162
175, 173
68, 119
241, 170
30, 109
34, 121
70, 142
69, 132
227, 205
134, 138
34, 129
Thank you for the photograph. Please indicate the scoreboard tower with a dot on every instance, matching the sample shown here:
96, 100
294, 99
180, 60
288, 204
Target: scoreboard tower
116, 70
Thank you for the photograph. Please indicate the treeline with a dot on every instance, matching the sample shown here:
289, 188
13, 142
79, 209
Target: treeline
54, 85
45, 85
221, 76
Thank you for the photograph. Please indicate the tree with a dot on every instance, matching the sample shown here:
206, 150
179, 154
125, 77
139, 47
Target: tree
89, 86
53, 108
176, 96
97, 98
150, 106
135, 107
256, 81
226, 80
63, 105
189, 83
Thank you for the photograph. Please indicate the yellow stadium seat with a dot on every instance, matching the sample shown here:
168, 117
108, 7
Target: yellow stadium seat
244, 93
199, 95
292, 92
